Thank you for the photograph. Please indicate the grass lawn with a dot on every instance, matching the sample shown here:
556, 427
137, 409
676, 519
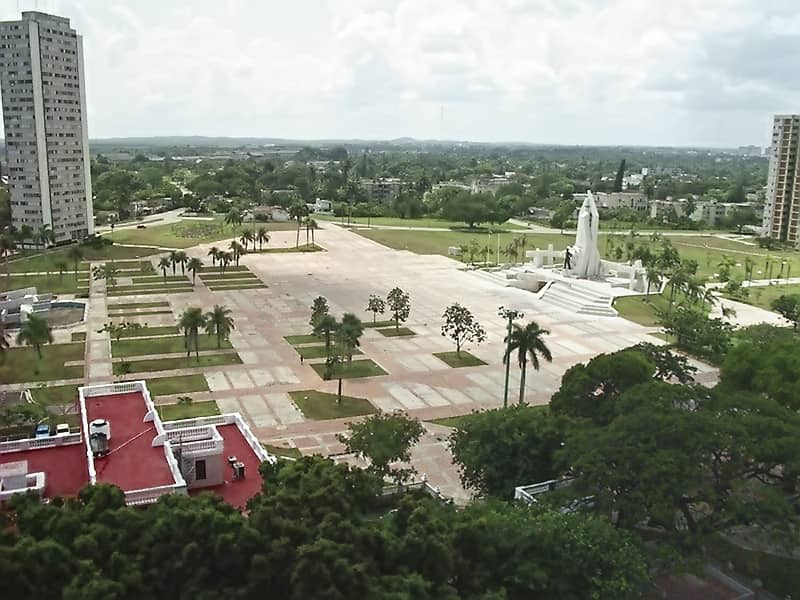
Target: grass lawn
178, 235
295, 340
392, 332
762, 296
136, 305
228, 269
454, 422
168, 364
388, 323
150, 331
179, 384
235, 275
452, 359
190, 410
142, 313
55, 394
161, 345
636, 309
145, 290
354, 370
39, 261
288, 249
317, 351
53, 283
283, 451
160, 279
19, 364
79, 336
398, 222
243, 286
319, 406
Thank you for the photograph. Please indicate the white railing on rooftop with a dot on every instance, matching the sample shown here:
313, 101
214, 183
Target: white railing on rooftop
190, 434
252, 440
203, 446
35, 444
150, 495
34, 482
198, 422
172, 462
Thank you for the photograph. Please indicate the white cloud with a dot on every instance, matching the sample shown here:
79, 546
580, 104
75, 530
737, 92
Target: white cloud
561, 71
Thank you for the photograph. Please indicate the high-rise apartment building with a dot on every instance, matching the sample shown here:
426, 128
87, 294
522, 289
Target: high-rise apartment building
782, 208
44, 113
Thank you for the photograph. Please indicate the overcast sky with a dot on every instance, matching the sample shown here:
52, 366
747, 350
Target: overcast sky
649, 72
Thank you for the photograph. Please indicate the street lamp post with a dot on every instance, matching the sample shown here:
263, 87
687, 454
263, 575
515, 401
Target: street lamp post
509, 314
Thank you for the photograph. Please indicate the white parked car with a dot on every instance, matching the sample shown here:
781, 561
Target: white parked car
62, 429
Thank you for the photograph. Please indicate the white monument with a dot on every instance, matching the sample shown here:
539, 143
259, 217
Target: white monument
585, 256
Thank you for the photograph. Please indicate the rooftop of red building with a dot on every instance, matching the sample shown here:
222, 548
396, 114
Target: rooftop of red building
65, 467
237, 492
132, 462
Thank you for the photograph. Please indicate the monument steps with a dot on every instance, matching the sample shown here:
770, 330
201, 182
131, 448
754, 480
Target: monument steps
498, 277
579, 299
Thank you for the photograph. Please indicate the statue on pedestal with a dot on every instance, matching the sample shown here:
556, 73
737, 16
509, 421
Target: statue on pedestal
586, 257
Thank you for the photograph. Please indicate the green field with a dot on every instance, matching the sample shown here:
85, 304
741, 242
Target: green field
289, 249
19, 365
136, 305
190, 410
189, 232
399, 332
398, 222
282, 451
179, 384
237, 275
320, 406
168, 364
146, 291
452, 359
161, 345
639, 310
53, 283
78, 336
230, 287
150, 331
317, 351
228, 269
295, 340
39, 262
706, 250
55, 394
353, 370
762, 296
160, 279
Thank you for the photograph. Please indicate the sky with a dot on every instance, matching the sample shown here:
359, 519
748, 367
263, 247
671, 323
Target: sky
594, 72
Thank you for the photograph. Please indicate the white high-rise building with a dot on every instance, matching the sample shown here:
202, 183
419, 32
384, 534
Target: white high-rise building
44, 113
782, 207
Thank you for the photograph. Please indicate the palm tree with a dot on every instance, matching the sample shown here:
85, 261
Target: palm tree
191, 322
35, 331
164, 264
225, 258
7, 246
214, 254
325, 328
262, 236
350, 331
247, 237
237, 250
75, 255
61, 265
297, 211
653, 279
528, 342
173, 260
194, 265
182, 259
220, 323
234, 217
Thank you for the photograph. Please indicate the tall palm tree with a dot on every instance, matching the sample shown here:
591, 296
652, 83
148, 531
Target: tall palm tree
529, 343
25, 233
247, 237
225, 258
653, 279
194, 265
173, 260
350, 331
182, 259
61, 265
164, 264
191, 322
237, 249
214, 254
234, 217
325, 328
7, 246
35, 331
311, 226
220, 323
297, 211
75, 255
262, 236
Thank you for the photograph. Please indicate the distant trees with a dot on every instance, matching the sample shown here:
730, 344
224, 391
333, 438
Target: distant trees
461, 326
474, 209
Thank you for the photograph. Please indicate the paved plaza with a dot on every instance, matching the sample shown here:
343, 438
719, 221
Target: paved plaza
350, 271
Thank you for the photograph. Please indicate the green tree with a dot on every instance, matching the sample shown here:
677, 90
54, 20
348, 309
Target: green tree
214, 253
350, 331
76, 256
164, 264
117, 330
191, 322
788, 306
4, 344
262, 237
234, 217
528, 342
498, 450
325, 327
219, 322
399, 303
376, 306
194, 265
61, 265
383, 439
319, 309
237, 250
181, 258
35, 332
461, 327
298, 211
7, 246
107, 271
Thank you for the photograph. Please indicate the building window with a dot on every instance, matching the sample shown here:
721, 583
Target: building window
199, 470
